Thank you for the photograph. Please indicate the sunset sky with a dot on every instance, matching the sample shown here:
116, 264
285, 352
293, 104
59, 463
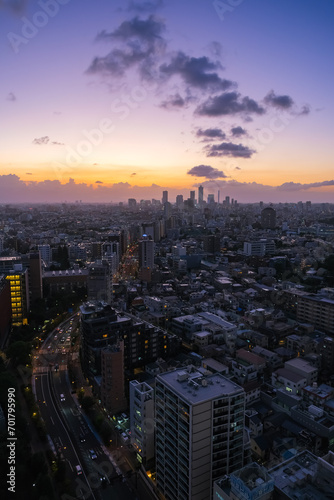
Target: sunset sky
105, 100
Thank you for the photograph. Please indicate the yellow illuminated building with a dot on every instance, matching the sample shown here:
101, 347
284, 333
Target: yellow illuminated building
18, 296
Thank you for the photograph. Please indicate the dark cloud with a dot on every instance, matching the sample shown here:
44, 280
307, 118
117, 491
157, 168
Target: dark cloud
297, 186
237, 168
229, 103
210, 133
176, 101
98, 182
133, 174
198, 72
41, 140
238, 131
279, 101
11, 97
206, 171
28, 173
229, 149
146, 6
140, 41
56, 143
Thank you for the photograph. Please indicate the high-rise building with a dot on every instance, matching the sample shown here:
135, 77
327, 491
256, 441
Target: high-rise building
45, 251
211, 243
164, 197
142, 419
99, 282
112, 385
146, 252
199, 432
192, 196
132, 203
5, 308
268, 218
200, 195
227, 200
211, 198
19, 291
179, 201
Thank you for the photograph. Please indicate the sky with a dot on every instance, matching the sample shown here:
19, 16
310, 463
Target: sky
105, 100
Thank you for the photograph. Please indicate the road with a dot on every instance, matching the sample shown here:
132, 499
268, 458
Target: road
71, 434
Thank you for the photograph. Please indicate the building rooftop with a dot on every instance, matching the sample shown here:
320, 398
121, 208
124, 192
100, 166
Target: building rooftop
194, 387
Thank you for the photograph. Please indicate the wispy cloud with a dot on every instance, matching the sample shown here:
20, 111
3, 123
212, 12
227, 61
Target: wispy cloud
41, 140
11, 97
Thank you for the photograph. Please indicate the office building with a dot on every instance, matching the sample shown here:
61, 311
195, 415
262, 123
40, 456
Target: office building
260, 247
132, 203
99, 281
146, 251
268, 218
199, 432
179, 201
5, 308
112, 370
46, 254
164, 197
200, 195
19, 291
142, 420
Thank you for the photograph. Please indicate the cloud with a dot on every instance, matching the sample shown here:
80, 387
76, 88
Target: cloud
210, 133
28, 173
55, 143
279, 101
98, 182
133, 174
304, 111
237, 168
216, 49
14, 190
297, 186
176, 102
140, 41
238, 131
206, 171
229, 103
229, 149
11, 97
41, 140
197, 72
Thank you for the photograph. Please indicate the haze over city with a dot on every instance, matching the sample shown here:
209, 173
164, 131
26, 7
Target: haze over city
105, 101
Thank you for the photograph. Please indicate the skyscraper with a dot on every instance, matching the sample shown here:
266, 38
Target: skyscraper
200, 195
164, 197
199, 432
146, 251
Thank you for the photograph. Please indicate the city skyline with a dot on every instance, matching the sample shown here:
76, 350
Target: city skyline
110, 102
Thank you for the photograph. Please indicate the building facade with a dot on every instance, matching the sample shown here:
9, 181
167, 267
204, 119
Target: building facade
199, 432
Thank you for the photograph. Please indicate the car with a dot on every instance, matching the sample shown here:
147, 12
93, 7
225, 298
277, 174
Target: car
118, 428
82, 438
78, 469
62, 397
93, 455
124, 416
